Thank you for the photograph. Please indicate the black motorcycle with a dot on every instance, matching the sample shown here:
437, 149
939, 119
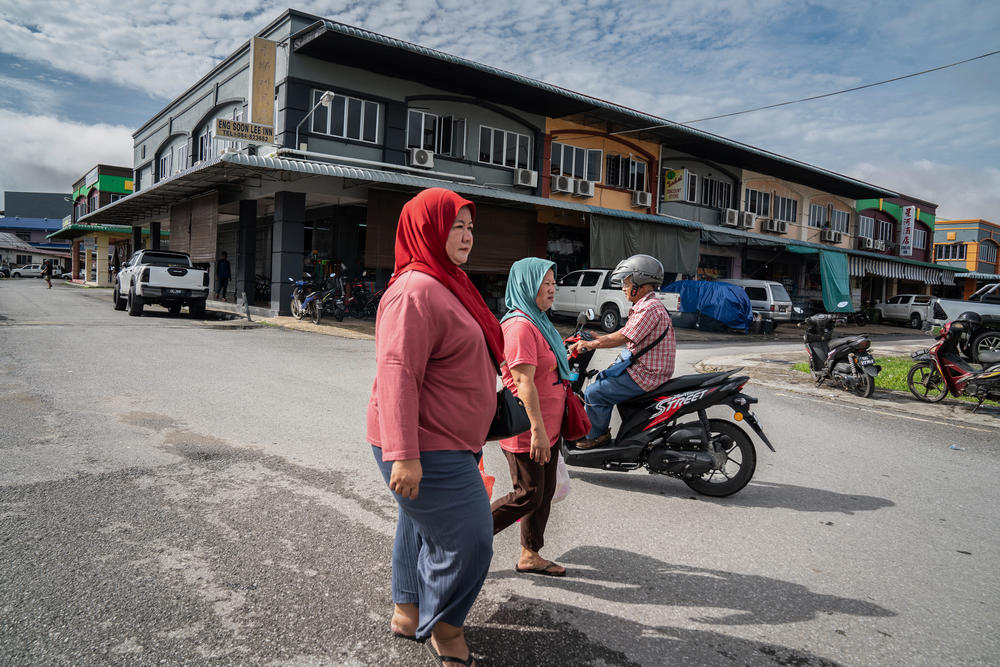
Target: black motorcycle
714, 457
844, 361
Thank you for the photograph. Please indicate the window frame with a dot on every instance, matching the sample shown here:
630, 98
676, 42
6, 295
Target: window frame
816, 220
504, 148
950, 252
840, 221
346, 111
885, 228
986, 243
714, 190
866, 221
757, 202
627, 169
780, 207
920, 239
587, 155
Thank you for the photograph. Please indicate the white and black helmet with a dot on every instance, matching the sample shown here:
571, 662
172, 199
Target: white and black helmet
643, 269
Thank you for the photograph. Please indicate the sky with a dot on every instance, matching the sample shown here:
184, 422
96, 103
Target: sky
77, 78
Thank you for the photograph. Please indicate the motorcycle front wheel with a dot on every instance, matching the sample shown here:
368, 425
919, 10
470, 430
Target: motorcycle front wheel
739, 466
926, 383
296, 307
315, 312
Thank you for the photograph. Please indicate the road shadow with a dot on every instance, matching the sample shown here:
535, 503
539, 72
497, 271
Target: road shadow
625, 577
765, 495
521, 631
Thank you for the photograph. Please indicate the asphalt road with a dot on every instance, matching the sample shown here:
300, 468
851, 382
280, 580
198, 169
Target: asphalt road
175, 493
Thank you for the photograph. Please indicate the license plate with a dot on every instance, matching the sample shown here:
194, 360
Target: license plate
173, 291
782, 309
866, 360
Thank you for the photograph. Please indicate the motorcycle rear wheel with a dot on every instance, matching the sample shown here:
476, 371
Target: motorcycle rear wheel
925, 383
315, 312
865, 386
741, 461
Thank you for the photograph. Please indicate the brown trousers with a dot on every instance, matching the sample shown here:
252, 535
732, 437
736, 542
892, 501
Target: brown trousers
531, 499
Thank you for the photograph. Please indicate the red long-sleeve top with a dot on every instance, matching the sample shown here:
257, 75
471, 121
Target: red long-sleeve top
435, 383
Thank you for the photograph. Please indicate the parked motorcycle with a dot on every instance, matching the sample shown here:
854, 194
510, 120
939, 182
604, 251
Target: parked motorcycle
715, 457
843, 361
300, 289
941, 369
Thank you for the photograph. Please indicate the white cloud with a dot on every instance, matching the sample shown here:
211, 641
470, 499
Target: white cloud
45, 154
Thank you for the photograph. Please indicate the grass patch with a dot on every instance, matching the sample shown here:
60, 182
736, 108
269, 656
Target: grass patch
893, 376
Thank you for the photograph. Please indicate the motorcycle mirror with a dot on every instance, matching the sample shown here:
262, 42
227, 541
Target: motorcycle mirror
591, 314
581, 318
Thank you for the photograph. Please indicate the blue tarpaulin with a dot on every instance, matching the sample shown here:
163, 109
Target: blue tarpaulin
727, 304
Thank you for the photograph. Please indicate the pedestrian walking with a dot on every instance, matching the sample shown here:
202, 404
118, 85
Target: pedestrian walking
222, 274
47, 272
536, 366
437, 350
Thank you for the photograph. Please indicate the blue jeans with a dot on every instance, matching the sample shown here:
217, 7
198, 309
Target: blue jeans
444, 538
603, 395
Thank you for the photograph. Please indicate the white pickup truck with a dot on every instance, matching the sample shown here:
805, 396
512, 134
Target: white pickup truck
161, 277
591, 288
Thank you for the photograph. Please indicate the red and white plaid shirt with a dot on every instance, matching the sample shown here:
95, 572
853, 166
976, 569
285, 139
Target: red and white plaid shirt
646, 321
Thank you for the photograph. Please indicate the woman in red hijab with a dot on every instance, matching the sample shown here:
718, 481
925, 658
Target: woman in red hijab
437, 348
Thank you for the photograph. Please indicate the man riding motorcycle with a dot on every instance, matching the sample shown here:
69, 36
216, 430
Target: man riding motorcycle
649, 340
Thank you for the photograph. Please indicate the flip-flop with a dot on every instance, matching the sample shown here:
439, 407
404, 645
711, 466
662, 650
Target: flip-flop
546, 571
468, 662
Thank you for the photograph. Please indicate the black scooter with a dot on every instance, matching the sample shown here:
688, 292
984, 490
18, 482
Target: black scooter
715, 457
843, 361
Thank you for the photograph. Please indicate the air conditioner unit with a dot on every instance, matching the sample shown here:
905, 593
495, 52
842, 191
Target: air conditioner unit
731, 217
747, 219
583, 188
831, 236
562, 184
641, 199
867, 243
781, 226
525, 178
768, 225
879, 245
421, 157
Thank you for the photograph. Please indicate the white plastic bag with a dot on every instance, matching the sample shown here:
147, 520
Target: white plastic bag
562, 481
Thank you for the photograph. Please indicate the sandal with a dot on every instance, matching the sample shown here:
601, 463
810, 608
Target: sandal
468, 662
546, 571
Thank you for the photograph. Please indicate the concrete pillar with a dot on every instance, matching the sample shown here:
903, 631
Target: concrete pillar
287, 250
102, 261
154, 235
137, 238
87, 254
75, 259
246, 253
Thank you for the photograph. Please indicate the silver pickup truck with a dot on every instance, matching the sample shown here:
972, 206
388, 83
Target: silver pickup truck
161, 277
912, 309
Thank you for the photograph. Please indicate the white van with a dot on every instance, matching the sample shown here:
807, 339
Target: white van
768, 299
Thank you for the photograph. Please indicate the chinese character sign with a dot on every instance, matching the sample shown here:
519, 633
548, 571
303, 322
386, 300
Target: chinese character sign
906, 231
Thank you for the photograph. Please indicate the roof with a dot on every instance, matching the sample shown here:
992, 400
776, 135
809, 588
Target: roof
30, 223
976, 275
355, 47
11, 242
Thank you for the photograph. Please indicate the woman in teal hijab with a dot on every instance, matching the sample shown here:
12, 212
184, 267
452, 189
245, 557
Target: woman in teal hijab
536, 364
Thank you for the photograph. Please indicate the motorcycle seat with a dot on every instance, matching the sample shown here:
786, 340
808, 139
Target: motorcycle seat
837, 342
674, 385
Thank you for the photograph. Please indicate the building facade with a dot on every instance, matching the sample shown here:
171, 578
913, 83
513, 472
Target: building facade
362, 121
971, 245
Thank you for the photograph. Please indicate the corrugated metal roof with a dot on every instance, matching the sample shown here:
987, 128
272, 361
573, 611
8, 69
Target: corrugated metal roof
11, 242
976, 275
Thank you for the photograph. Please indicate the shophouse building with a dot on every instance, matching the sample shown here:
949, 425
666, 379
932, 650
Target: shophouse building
971, 245
361, 122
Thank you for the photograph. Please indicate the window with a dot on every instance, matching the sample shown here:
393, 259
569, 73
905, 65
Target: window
987, 252
894, 300
756, 293
22, 259
866, 227
952, 251
180, 158
571, 279
817, 216
692, 187
113, 198
885, 230
24, 236
445, 135
590, 279
919, 238
624, 172
503, 148
580, 163
757, 202
94, 202
716, 193
786, 209
163, 166
205, 144
347, 117
840, 220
